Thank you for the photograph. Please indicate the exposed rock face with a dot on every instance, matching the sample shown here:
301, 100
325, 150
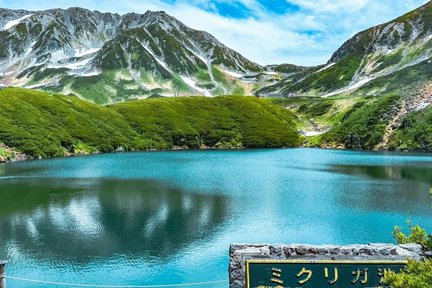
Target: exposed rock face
8, 154
239, 253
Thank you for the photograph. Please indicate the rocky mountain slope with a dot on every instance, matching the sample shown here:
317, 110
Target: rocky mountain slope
392, 57
106, 57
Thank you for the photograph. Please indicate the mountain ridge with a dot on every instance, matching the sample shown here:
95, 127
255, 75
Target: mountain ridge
361, 64
108, 57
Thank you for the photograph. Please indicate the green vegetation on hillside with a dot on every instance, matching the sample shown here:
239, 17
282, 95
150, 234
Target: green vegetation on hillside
39, 124
418, 274
414, 133
317, 111
44, 125
363, 127
229, 121
359, 122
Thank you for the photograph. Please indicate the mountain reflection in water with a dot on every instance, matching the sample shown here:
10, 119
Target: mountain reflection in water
104, 217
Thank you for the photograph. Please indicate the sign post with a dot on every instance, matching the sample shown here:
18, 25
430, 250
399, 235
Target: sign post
312, 274
2, 274
322, 266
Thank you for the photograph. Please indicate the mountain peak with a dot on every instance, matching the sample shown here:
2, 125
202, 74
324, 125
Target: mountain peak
109, 57
378, 60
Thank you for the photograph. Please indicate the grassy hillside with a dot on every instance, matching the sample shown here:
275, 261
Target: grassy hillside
363, 127
350, 122
40, 124
414, 133
222, 121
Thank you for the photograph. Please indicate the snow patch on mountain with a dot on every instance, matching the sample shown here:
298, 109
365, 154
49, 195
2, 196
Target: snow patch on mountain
73, 66
326, 67
194, 85
233, 74
206, 61
82, 53
351, 87
163, 64
86, 74
13, 23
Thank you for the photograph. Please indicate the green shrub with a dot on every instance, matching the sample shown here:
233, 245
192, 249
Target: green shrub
44, 125
415, 132
364, 127
418, 274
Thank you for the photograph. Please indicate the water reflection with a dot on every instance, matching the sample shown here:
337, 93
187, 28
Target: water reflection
82, 219
420, 172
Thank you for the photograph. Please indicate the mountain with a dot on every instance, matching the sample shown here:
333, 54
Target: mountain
107, 57
393, 57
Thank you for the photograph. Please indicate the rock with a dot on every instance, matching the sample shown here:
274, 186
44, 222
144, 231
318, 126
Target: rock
322, 251
276, 251
288, 251
301, 250
415, 248
355, 251
345, 251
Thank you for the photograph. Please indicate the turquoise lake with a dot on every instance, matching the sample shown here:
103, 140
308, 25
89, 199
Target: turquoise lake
169, 217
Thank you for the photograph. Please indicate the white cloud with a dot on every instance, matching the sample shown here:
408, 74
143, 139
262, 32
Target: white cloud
307, 37
337, 6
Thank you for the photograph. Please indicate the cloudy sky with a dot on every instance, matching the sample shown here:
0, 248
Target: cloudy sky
303, 32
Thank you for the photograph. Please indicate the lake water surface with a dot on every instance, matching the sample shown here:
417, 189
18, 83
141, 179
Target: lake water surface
169, 217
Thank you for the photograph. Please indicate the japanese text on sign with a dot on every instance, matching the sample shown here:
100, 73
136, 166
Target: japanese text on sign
318, 274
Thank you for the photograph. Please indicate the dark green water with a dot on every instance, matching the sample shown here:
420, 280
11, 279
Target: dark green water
169, 217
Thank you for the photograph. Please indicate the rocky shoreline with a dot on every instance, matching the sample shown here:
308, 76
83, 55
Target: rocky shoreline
15, 156
8, 154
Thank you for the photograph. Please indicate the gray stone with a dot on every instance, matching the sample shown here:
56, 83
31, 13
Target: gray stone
366, 251
322, 250
384, 251
276, 251
355, 251
345, 251
289, 251
415, 248
236, 284
237, 274
301, 250
312, 250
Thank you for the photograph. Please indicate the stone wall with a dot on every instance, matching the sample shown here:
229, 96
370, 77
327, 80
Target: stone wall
239, 253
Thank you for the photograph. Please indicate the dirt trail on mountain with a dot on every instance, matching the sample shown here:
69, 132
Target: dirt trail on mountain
414, 103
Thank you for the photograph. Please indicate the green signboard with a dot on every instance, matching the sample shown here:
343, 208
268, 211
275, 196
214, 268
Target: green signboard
318, 274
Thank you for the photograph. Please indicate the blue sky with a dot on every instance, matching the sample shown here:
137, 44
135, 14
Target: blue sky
303, 32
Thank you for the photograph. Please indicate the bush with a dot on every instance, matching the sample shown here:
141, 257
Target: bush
417, 274
44, 125
364, 127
